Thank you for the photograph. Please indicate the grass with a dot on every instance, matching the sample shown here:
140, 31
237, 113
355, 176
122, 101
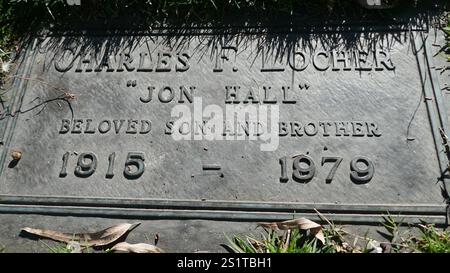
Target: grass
292, 241
67, 248
432, 240
59, 248
423, 238
446, 30
2, 249
20, 17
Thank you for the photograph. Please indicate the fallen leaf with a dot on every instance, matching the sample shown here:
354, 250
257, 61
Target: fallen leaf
136, 248
16, 154
300, 223
100, 238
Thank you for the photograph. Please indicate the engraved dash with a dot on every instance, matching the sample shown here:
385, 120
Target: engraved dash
211, 167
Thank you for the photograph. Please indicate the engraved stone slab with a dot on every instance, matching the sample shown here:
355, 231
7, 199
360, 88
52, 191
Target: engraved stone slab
240, 125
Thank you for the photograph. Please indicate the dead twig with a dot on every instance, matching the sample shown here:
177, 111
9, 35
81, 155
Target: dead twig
57, 88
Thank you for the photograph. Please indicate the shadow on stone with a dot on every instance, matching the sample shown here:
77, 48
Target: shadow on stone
13, 163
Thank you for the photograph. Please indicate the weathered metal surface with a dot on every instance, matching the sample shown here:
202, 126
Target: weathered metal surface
353, 126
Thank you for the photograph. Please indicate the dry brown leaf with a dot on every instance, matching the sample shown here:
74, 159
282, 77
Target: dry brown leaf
136, 248
100, 238
300, 223
16, 154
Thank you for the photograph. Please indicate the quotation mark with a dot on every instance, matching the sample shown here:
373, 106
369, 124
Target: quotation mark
131, 83
304, 86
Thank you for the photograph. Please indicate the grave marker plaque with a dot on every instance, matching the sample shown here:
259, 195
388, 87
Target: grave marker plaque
242, 124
